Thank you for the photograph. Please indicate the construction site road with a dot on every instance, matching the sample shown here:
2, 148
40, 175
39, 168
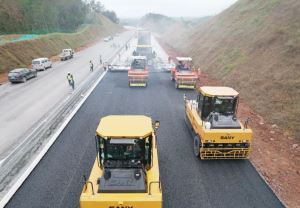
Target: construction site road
23, 106
186, 180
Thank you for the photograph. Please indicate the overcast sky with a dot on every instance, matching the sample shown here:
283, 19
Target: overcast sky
174, 8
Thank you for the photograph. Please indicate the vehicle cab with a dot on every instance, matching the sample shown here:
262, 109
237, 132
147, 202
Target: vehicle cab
68, 50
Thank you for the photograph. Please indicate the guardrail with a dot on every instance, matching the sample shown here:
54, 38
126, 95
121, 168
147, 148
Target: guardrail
23, 159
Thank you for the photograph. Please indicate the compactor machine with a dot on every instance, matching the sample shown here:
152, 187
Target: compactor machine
183, 74
145, 50
138, 73
216, 130
125, 173
144, 37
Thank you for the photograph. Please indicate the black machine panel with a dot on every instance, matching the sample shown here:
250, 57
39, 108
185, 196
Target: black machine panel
219, 121
127, 180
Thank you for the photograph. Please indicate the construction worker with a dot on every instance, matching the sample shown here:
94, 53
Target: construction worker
154, 54
199, 73
70, 79
105, 66
91, 66
100, 59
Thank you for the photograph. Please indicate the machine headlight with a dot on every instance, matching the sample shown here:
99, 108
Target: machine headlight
207, 125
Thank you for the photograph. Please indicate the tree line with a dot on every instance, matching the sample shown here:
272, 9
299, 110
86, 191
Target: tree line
45, 16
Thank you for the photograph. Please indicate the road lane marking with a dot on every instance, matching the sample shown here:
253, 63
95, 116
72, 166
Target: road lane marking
52, 139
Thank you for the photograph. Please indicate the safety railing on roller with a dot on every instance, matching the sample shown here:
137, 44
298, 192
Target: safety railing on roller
232, 154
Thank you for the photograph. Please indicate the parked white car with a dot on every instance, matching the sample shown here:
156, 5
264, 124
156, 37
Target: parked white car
41, 64
66, 54
107, 39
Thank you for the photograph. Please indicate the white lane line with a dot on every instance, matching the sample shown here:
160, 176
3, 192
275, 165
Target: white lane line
31, 133
22, 143
52, 139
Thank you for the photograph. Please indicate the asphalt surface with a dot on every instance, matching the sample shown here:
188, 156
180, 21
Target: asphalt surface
186, 180
23, 106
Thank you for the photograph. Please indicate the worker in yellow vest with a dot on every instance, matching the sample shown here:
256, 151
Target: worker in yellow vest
70, 79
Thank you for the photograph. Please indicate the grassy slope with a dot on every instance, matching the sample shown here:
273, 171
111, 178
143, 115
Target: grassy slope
254, 46
21, 53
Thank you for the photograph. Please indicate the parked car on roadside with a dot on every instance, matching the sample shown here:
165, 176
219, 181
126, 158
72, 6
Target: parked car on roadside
107, 39
21, 75
41, 64
66, 54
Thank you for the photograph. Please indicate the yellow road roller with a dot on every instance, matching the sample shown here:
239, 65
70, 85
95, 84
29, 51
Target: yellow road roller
125, 173
212, 119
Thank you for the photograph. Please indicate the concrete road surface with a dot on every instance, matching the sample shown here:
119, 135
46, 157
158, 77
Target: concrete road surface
23, 106
186, 180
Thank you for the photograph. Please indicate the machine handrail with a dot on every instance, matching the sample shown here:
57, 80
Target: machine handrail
86, 182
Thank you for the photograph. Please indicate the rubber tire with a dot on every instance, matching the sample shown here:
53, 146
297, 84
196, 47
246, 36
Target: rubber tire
24, 80
196, 146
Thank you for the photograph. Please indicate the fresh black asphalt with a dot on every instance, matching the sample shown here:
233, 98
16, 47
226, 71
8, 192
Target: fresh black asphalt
187, 181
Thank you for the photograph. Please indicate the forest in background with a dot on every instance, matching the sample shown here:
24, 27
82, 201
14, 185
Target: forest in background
46, 16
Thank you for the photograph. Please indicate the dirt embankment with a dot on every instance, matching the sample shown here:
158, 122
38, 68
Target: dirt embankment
275, 155
254, 46
20, 54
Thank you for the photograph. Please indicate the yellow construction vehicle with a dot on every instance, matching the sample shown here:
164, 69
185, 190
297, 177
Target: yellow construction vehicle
125, 173
216, 131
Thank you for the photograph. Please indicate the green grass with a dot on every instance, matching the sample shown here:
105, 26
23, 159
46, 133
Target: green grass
19, 54
262, 11
230, 60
